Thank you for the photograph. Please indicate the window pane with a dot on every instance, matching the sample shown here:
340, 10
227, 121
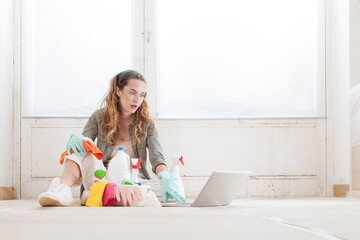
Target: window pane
77, 46
234, 58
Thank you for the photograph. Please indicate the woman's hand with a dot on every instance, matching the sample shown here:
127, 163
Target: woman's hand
76, 144
130, 195
169, 188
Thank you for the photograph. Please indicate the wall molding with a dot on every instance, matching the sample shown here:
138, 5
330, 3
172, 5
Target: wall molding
36, 131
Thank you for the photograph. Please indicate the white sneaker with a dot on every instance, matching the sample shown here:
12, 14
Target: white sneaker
57, 195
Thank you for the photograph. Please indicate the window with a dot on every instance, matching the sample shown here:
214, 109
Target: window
71, 49
234, 59
213, 59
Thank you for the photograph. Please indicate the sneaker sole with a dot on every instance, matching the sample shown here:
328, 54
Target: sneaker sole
46, 200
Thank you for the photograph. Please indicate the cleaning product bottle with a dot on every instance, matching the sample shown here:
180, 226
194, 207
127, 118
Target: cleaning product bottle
176, 173
135, 169
119, 167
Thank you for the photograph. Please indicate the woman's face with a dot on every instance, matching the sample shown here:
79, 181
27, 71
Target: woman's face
132, 95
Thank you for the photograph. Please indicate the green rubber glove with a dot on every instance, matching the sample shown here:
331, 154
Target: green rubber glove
169, 188
76, 144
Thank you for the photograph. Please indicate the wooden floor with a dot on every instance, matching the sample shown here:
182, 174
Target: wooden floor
315, 218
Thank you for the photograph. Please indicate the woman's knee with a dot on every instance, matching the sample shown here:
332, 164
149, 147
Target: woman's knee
72, 165
71, 172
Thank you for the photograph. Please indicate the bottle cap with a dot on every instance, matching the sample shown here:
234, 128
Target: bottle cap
137, 166
121, 148
181, 159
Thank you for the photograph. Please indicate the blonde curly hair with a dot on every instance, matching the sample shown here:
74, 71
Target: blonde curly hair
110, 112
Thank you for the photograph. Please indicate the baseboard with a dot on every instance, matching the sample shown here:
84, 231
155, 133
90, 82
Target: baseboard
341, 190
355, 193
7, 193
265, 187
256, 187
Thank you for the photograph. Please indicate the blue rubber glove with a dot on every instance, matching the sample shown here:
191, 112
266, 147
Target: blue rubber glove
169, 188
76, 144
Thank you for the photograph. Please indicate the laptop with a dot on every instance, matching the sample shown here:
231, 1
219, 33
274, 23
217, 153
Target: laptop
220, 189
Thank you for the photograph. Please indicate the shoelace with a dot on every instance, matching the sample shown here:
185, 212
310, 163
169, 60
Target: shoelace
53, 185
59, 188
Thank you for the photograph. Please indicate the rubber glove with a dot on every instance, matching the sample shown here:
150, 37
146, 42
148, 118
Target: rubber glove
129, 195
76, 144
169, 188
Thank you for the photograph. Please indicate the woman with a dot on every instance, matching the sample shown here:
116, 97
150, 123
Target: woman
123, 120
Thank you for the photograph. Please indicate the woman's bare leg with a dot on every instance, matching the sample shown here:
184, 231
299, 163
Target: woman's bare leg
71, 173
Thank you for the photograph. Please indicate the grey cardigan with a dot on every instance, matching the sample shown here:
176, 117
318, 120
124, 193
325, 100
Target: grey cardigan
93, 130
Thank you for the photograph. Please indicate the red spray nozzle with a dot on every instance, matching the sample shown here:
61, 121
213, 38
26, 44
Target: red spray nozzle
181, 159
137, 166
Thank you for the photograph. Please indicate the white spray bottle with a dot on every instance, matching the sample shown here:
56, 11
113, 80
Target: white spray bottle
119, 167
135, 169
175, 170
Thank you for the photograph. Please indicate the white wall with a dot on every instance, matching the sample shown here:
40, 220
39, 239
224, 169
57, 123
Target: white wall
6, 91
346, 74
354, 42
354, 52
340, 76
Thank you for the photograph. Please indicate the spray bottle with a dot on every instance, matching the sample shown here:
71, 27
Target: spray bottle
176, 173
135, 169
119, 167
